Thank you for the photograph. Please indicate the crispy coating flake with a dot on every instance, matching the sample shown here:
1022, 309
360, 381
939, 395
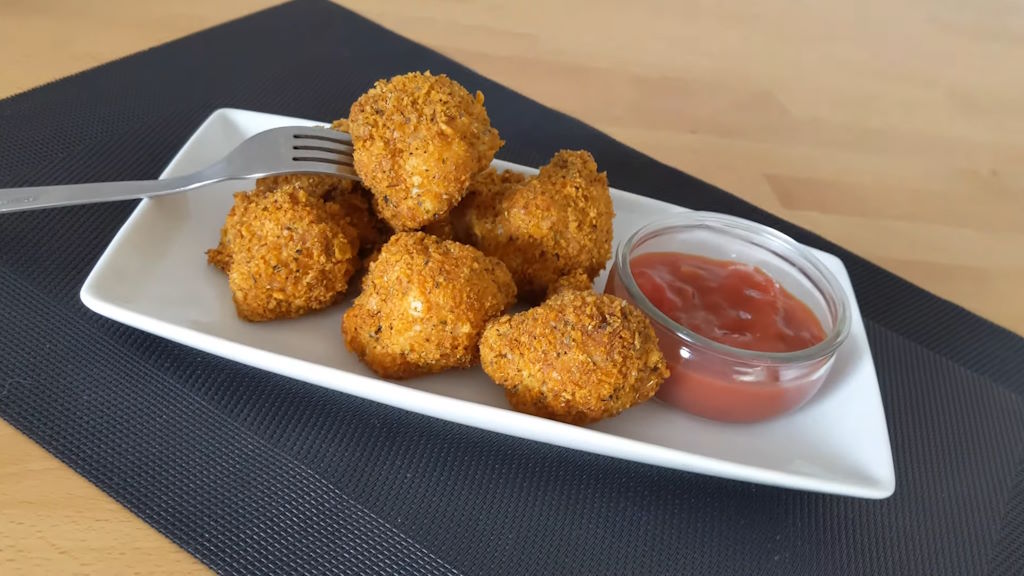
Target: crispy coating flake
286, 253
352, 197
575, 280
578, 357
221, 255
418, 140
543, 227
315, 185
424, 304
356, 207
442, 228
492, 182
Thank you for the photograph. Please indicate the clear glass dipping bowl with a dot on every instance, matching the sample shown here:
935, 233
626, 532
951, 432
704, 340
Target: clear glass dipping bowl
721, 382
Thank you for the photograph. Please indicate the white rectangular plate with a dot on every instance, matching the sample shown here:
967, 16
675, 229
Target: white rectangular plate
154, 276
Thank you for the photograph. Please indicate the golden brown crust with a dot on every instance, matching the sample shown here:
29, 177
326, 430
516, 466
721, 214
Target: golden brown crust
543, 227
424, 304
286, 253
352, 197
419, 139
442, 228
315, 185
233, 223
356, 206
486, 191
578, 357
575, 280
490, 182
221, 255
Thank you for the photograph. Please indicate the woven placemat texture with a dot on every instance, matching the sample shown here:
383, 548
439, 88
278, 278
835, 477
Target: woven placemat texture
254, 473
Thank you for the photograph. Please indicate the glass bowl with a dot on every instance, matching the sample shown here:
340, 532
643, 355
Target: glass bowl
718, 381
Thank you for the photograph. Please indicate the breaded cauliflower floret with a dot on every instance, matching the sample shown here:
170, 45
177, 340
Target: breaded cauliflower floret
544, 227
442, 228
424, 304
575, 280
418, 141
285, 253
490, 182
352, 198
578, 357
314, 185
356, 206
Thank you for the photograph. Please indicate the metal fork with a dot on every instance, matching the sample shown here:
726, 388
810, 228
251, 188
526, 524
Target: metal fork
292, 149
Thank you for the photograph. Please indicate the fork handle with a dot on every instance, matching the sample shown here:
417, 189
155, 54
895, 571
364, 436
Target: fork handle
18, 199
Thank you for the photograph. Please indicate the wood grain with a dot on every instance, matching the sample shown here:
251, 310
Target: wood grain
53, 521
894, 129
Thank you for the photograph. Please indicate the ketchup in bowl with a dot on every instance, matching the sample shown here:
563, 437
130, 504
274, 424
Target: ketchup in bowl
748, 319
732, 303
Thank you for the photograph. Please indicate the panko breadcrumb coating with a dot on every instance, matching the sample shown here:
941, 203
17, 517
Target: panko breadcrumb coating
485, 190
578, 357
575, 280
543, 227
315, 185
353, 199
356, 207
492, 182
442, 228
286, 253
424, 304
418, 140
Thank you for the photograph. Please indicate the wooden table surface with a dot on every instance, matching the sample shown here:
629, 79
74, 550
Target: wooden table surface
894, 129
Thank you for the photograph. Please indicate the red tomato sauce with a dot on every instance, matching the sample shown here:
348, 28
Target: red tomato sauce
738, 305
732, 303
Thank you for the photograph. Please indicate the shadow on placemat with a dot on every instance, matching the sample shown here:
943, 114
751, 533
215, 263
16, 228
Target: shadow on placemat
257, 474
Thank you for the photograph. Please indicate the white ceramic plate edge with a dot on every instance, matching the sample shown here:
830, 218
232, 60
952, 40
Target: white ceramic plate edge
462, 411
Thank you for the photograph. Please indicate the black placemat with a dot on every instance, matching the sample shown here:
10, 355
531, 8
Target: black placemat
258, 474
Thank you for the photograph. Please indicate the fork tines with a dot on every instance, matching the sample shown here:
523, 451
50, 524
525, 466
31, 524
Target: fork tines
311, 140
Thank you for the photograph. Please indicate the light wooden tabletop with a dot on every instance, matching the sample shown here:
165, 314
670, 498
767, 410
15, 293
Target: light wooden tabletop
894, 129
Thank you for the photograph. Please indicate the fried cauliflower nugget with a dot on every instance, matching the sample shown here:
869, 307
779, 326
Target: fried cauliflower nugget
356, 206
424, 304
314, 185
418, 141
286, 253
442, 228
578, 357
490, 182
543, 227
575, 280
353, 199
